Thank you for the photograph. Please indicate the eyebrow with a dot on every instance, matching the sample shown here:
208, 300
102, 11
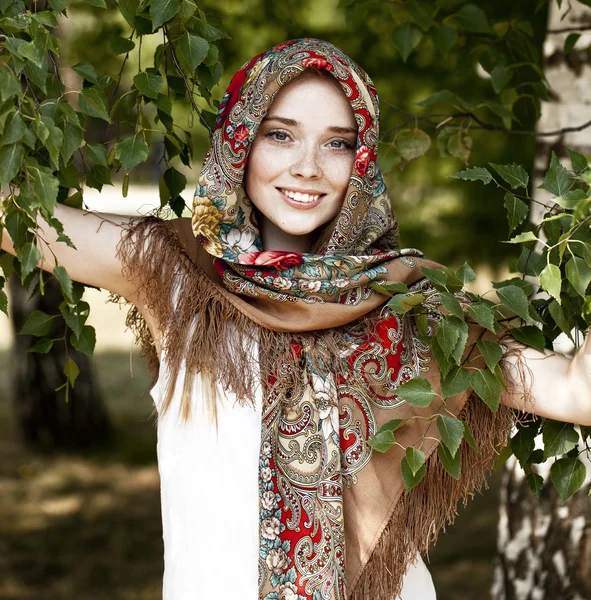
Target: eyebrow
294, 123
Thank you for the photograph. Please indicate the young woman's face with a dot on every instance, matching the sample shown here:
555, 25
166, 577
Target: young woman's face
301, 161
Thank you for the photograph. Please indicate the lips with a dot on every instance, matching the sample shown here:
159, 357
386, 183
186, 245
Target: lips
301, 199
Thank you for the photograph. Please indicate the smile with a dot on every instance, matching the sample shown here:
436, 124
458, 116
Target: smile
300, 197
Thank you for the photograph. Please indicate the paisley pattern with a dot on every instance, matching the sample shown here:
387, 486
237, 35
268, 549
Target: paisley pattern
316, 422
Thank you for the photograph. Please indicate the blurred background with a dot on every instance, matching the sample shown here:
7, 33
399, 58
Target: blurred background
79, 508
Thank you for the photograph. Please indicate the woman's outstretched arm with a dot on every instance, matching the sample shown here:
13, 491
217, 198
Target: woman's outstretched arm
559, 387
95, 236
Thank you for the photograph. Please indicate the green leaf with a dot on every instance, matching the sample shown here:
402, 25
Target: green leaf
483, 314
523, 443
416, 392
458, 351
515, 175
213, 28
559, 438
38, 323
452, 464
465, 273
579, 162
86, 342
470, 438
406, 38
97, 154
175, 181
500, 77
9, 84
97, 3
382, 441
162, 11
560, 318
93, 102
444, 364
45, 187
18, 223
455, 382
131, 151
460, 145
570, 200
472, 18
530, 336
570, 42
29, 257
42, 346
523, 284
73, 138
121, 45
551, 280
71, 371
11, 158
390, 289
447, 335
65, 282
579, 274
392, 425
87, 71
193, 50
402, 303
517, 211
444, 38
75, 316
422, 13
410, 480
522, 238
14, 129
440, 96
438, 277
514, 298
558, 180
474, 174
491, 352
128, 9
149, 83
567, 475
450, 302
452, 432
412, 143
488, 387
415, 459
536, 483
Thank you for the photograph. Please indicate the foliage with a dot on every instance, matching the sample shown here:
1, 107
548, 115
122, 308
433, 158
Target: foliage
554, 268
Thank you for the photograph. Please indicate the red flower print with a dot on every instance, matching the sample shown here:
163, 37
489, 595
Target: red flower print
283, 45
271, 258
241, 133
317, 63
362, 159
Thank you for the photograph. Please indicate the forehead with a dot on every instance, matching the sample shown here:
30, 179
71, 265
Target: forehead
313, 96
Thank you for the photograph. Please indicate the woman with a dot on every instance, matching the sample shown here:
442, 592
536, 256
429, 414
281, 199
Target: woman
277, 361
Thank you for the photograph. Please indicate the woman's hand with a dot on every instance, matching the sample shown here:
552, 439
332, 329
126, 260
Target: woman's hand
556, 387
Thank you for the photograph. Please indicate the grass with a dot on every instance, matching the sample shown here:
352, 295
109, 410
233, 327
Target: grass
87, 527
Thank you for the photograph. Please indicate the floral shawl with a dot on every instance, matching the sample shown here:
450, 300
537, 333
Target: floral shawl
335, 522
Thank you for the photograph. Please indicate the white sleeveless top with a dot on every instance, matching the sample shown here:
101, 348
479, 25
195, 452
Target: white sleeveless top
210, 503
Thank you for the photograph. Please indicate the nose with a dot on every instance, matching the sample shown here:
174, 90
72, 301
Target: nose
306, 163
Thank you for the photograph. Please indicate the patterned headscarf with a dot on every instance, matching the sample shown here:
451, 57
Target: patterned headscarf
224, 221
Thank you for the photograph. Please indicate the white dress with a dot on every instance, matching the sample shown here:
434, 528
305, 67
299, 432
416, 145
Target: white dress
210, 504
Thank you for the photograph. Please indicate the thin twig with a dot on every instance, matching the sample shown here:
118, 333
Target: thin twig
189, 91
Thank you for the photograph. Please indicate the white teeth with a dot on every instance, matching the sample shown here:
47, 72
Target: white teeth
299, 197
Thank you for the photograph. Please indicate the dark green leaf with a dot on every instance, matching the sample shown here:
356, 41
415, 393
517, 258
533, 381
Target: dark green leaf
452, 464
406, 38
444, 38
488, 387
491, 352
483, 314
530, 263
193, 50
17, 224
558, 180
570, 200
551, 280
559, 438
570, 42
514, 298
213, 28
536, 483
65, 282
500, 77
86, 342
72, 140
470, 438
38, 323
438, 277
472, 18
515, 175
131, 151
579, 162
560, 318
42, 346
87, 71
149, 83
458, 351
29, 257
416, 392
441, 96
447, 335
474, 174
444, 364
530, 336
410, 480
392, 425
465, 273
175, 181
9, 84
452, 432
579, 274
45, 187
455, 382
523, 284
14, 129
11, 158
382, 441
162, 11
415, 459
567, 475
128, 9
97, 154
121, 45
450, 302
97, 3
422, 13
517, 211
75, 316
93, 102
